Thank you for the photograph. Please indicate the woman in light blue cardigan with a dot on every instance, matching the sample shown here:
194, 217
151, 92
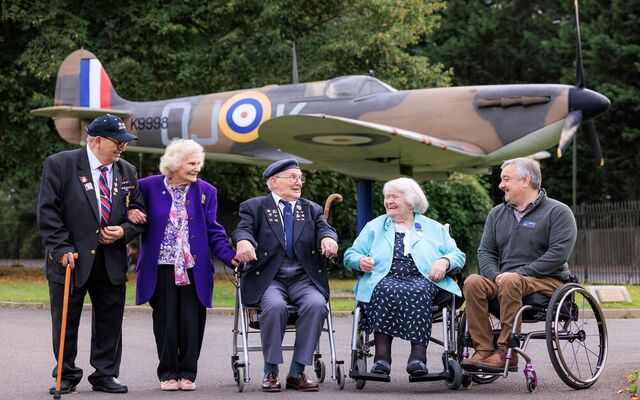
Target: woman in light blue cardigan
404, 257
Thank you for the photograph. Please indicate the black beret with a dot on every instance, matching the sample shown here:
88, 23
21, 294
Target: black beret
280, 165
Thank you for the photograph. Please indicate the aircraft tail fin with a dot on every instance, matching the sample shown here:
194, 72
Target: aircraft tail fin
83, 92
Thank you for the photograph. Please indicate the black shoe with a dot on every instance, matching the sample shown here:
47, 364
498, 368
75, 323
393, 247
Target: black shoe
381, 367
109, 385
417, 368
65, 387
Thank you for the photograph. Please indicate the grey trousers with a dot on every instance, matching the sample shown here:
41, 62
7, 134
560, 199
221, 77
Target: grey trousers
312, 311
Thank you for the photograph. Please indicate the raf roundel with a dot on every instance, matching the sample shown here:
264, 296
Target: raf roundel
241, 116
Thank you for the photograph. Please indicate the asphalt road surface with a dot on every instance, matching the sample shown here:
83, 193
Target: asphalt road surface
27, 361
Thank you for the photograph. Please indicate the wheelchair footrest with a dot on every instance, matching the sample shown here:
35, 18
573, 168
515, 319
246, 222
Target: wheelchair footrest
369, 376
430, 377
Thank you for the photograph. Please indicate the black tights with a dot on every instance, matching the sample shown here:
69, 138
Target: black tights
383, 348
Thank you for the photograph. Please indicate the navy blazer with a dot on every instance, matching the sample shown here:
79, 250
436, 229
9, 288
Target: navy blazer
261, 224
68, 215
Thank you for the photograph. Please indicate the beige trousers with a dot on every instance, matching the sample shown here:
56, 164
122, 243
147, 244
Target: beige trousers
478, 291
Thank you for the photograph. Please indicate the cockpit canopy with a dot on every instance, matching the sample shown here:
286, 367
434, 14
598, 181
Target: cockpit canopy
347, 87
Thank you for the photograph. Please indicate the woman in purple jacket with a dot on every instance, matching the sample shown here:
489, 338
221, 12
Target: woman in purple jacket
174, 271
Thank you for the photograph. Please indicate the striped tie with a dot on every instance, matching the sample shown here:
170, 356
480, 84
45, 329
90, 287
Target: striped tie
105, 197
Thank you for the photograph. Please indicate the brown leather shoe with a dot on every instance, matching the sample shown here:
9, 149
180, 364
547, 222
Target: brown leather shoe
271, 382
301, 383
478, 356
497, 361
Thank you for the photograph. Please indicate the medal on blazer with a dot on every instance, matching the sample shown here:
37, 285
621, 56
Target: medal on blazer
418, 229
85, 182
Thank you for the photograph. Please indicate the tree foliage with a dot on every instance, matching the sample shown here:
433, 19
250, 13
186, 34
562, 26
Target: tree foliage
529, 41
157, 49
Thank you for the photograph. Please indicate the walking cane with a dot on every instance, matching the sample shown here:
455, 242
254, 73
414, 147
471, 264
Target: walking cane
327, 204
63, 327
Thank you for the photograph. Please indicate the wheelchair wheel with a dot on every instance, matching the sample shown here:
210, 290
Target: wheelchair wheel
320, 369
360, 366
576, 336
480, 379
467, 380
455, 377
340, 376
240, 380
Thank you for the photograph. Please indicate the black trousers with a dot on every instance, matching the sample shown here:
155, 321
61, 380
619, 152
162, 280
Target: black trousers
107, 302
178, 326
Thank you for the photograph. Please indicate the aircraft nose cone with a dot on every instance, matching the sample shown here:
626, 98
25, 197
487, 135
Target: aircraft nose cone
591, 103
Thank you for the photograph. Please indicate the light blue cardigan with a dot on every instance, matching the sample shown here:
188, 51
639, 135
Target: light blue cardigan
376, 240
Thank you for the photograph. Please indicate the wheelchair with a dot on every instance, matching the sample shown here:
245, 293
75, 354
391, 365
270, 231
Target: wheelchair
443, 309
575, 333
246, 323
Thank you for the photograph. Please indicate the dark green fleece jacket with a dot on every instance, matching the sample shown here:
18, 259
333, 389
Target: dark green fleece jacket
539, 245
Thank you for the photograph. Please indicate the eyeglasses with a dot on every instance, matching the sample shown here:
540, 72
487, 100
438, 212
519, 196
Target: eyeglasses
293, 178
119, 145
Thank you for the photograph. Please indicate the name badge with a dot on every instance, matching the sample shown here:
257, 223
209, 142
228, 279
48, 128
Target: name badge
528, 224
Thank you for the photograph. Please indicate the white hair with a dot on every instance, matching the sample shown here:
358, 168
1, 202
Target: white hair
175, 154
413, 193
526, 167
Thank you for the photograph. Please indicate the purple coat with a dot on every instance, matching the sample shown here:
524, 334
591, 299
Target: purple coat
206, 236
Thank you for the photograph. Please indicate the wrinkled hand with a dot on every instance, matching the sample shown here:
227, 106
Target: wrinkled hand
245, 252
136, 216
235, 262
500, 277
439, 269
366, 264
68, 259
329, 247
109, 234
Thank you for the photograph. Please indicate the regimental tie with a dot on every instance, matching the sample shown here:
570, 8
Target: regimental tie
287, 219
105, 196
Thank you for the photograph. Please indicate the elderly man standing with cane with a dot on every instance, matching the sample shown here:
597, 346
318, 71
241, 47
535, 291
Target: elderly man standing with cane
82, 204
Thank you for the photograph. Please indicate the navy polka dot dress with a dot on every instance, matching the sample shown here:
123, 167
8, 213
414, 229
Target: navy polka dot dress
400, 305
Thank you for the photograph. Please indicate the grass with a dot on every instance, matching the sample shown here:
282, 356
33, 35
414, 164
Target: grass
21, 284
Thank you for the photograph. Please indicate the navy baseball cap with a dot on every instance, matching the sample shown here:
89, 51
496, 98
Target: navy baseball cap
110, 126
278, 166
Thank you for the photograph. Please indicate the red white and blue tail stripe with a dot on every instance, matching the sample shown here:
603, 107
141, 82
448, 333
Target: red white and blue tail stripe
95, 85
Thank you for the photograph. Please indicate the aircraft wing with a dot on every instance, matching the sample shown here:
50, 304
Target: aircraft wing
371, 150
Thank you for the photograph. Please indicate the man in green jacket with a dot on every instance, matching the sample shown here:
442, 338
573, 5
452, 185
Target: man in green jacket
525, 246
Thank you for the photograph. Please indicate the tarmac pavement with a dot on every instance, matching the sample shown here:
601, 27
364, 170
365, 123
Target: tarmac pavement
25, 346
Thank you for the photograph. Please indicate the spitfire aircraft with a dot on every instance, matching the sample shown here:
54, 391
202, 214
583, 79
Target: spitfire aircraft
356, 125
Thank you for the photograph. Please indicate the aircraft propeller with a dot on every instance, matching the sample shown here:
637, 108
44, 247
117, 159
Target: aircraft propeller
584, 104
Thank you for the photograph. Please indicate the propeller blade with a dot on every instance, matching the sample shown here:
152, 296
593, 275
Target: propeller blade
579, 67
569, 128
594, 142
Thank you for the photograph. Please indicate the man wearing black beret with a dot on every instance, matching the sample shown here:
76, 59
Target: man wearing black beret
82, 203
282, 238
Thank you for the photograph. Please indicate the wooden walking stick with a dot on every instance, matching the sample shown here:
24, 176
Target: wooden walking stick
327, 204
63, 327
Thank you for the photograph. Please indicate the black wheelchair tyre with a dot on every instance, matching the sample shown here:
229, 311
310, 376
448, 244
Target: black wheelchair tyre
320, 370
575, 327
360, 366
455, 375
